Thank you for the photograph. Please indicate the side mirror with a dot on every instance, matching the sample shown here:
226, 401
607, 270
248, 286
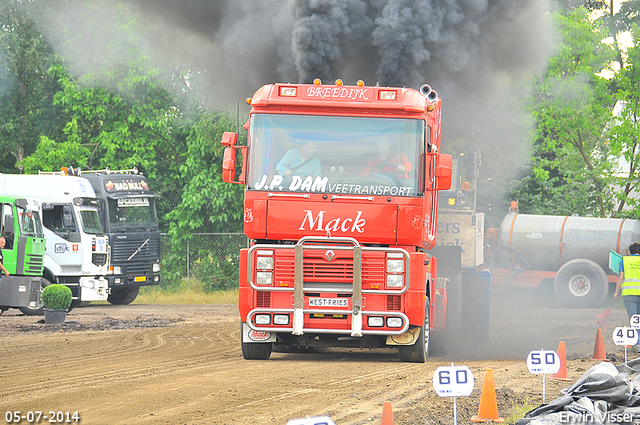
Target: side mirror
67, 218
8, 224
444, 171
229, 138
229, 164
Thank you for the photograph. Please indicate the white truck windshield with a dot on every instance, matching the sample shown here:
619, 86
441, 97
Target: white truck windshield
337, 155
131, 212
90, 221
29, 222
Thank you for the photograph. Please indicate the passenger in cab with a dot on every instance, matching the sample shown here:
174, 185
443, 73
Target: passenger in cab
387, 160
300, 162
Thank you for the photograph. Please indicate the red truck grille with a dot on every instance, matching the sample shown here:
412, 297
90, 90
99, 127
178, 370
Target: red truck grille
394, 302
263, 299
316, 269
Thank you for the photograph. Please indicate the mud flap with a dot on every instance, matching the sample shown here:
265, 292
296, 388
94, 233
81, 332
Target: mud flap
408, 338
19, 291
250, 335
449, 286
476, 304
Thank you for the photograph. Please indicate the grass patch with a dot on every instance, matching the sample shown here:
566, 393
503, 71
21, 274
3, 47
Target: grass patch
518, 411
188, 291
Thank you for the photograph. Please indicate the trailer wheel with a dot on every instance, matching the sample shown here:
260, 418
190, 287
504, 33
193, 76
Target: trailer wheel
418, 352
39, 309
255, 350
581, 283
123, 296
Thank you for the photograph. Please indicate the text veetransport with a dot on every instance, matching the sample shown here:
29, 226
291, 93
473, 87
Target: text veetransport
322, 185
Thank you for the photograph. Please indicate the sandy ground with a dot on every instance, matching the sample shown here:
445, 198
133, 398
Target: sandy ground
160, 364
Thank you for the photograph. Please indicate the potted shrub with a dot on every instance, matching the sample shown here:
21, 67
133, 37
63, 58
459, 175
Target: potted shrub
56, 299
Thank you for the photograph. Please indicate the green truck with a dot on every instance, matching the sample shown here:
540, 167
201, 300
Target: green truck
23, 253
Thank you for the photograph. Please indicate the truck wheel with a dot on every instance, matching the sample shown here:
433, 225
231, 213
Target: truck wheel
255, 350
581, 283
39, 309
122, 296
418, 352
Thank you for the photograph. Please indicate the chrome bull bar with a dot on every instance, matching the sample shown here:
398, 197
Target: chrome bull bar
336, 243
399, 331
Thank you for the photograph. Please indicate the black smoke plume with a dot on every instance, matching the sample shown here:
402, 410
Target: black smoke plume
475, 53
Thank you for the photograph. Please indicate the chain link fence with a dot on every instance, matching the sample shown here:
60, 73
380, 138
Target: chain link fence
211, 258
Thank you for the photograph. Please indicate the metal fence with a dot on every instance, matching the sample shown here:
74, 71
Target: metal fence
210, 257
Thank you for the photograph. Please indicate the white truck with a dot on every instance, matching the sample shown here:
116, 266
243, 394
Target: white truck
77, 251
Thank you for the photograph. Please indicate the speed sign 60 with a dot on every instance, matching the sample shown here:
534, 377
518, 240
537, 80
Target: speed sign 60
453, 381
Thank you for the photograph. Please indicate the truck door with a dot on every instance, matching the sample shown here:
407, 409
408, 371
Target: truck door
60, 220
7, 225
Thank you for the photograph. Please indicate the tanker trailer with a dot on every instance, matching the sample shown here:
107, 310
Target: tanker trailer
570, 252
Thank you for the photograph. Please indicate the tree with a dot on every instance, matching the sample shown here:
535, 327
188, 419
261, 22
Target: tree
27, 112
118, 114
571, 106
208, 204
624, 130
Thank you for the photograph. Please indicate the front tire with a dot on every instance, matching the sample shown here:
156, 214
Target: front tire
123, 296
581, 283
418, 352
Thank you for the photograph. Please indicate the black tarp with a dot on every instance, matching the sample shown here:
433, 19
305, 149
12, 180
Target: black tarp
605, 394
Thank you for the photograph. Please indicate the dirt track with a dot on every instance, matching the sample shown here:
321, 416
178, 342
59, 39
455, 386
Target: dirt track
152, 364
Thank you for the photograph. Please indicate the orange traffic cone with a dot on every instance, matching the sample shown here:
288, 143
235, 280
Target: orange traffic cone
488, 410
387, 414
598, 351
561, 375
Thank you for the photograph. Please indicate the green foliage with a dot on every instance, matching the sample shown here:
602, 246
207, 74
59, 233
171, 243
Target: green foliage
217, 273
571, 105
56, 297
27, 112
519, 411
117, 114
624, 132
211, 259
208, 204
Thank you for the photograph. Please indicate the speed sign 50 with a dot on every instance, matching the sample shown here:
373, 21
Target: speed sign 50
543, 362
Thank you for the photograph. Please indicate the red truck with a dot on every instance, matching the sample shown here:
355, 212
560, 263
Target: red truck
341, 194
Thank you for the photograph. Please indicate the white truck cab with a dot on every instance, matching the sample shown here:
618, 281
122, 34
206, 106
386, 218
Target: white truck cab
77, 251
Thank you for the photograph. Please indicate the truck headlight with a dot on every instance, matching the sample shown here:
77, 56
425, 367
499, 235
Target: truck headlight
395, 280
395, 266
375, 321
156, 267
116, 269
280, 319
264, 278
394, 322
264, 263
262, 319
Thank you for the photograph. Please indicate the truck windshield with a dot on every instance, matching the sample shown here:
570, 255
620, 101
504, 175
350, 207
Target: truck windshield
30, 224
131, 212
341, 155
90, 221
